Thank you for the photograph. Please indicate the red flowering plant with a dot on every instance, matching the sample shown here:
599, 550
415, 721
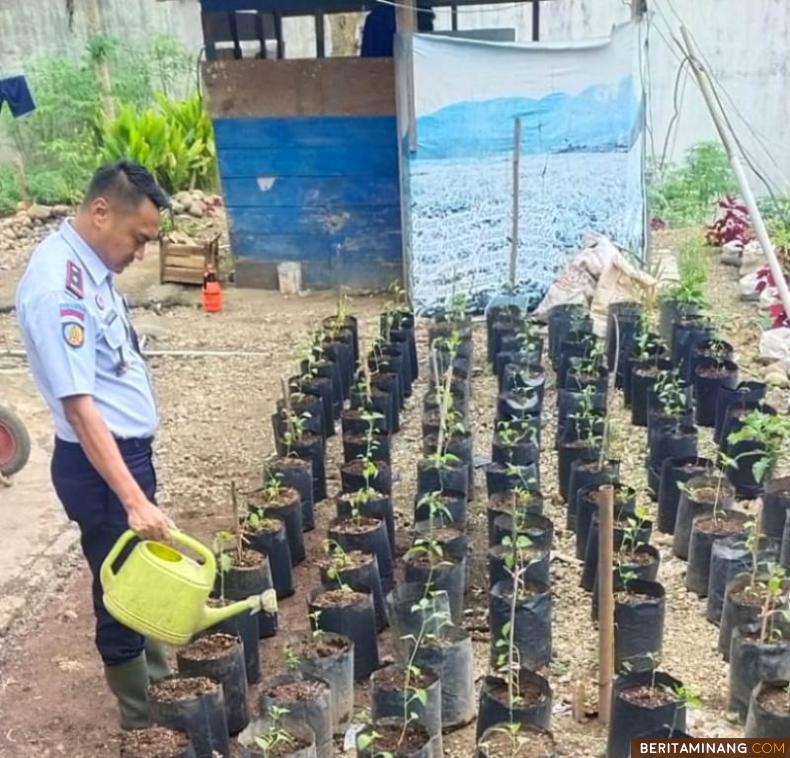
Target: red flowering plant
764, 278
778, 316
731, 225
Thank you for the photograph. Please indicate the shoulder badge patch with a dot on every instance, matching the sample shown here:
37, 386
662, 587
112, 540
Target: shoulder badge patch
73, 334
74, 280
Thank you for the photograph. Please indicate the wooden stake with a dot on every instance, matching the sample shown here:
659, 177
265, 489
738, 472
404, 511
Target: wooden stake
236, 521
514, 232
578, 700
605, 601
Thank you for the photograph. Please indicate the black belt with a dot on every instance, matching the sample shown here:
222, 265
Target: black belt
127, 445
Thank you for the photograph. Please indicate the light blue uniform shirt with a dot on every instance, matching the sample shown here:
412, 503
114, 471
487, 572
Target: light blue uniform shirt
79, 340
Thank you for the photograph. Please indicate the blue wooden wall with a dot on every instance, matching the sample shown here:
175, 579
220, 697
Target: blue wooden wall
319, 189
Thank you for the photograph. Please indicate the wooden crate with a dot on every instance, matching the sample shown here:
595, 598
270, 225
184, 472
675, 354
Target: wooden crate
185, 264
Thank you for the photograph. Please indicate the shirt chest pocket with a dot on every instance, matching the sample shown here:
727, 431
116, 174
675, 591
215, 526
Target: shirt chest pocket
114, 333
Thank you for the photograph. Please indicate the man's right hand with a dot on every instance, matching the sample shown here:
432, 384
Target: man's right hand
149, 522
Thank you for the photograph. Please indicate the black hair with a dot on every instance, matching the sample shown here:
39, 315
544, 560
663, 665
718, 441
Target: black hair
127, 183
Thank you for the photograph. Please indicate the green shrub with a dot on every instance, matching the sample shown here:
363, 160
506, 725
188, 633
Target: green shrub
683, 195
9, 190
61, 139
174, 141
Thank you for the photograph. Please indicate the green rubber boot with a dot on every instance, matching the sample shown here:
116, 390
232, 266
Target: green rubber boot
129, 684
156, 658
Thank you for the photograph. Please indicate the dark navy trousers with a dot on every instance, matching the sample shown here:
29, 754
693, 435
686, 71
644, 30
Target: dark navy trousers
88, 500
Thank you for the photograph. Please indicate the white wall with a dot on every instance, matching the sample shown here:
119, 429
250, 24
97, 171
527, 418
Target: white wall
36, 28
745, 44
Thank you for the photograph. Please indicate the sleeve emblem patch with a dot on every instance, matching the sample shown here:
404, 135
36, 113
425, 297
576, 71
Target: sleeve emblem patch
72, 313
73, 334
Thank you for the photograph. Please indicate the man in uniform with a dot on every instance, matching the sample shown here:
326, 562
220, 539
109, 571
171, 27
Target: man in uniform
85, 359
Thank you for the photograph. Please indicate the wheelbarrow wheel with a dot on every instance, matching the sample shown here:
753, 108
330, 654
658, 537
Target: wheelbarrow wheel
14, 443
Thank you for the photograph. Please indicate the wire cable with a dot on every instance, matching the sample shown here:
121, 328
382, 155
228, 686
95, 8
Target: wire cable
717, 87
492, 9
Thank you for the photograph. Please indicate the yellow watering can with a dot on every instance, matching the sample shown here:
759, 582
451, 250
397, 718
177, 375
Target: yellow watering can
161, 593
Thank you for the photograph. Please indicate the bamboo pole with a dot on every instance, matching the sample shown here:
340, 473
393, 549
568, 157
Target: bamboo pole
605, 601
731, 147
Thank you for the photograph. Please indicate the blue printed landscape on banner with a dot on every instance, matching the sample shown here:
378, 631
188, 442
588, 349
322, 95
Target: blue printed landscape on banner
580, 171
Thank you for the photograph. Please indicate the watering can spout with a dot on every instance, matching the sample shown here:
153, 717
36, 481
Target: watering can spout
266, 601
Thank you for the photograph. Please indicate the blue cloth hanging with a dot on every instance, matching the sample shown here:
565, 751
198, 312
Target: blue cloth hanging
15, 92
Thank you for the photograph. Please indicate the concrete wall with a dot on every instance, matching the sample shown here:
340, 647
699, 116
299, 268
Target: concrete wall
35, 28
746, 45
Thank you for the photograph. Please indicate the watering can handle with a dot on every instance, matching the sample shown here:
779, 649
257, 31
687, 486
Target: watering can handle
106, 574
210, 564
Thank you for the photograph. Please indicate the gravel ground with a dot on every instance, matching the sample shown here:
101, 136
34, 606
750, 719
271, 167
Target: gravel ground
216, 429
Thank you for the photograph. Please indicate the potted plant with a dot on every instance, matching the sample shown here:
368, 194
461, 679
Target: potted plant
242, 572
514, 444
523, 349
761, 651
220, 657
389, 737
520, 609
518, 501
300, 700
686, 297
371, 443
632, 529
583, 441
298, 474
271, 737
705, 530
350, 613
670, 431
299, 442
329, 657
644, 701
156, 741
729, 398
274, 500
563, 319
427, 563
588, 502
520, 618
750, 597
710, 375
268, 536
364, 528
408, 693
735, 555
649, 362
442, 470
769, 710
515, 740
587, 368
639, 610
622, 324
765, 437
673, 471
194, 705
358, 570
588, 474
700, 494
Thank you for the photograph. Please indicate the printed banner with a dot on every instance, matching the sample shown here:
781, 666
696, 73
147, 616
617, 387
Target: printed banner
581, 169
